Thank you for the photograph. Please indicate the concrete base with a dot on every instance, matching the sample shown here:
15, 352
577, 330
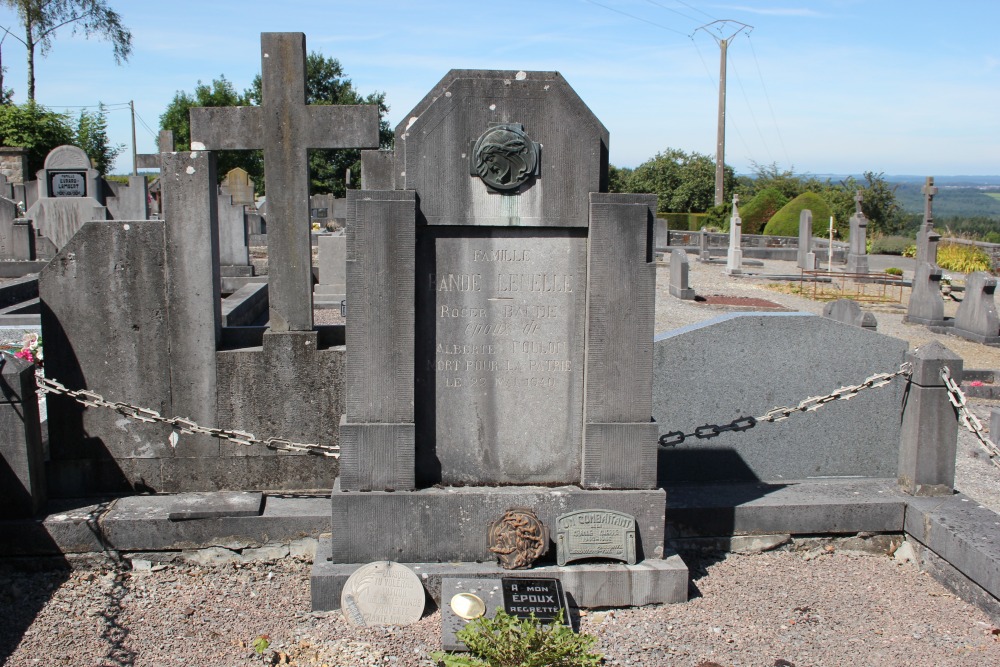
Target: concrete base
946, 325
686, 294
653, 581
993, 341
235, 271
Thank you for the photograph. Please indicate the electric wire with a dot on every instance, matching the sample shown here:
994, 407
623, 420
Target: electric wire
753, 116
637, 18
767, 97
671, 9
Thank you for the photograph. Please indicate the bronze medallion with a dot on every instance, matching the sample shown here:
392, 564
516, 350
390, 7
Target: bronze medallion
518, 538
504, 157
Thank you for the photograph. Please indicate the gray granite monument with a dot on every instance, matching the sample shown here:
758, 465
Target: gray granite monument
849, 311
499, 338
806, 257
734, 258
925, 305
976, 318
679, 269
927, 238
857, 256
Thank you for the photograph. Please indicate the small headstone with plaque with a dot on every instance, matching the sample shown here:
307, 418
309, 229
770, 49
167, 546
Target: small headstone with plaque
595, 534
383, 593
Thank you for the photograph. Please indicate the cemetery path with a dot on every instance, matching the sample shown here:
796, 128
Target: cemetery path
817, 608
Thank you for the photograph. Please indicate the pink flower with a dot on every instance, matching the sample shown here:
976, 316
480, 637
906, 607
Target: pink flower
975, 383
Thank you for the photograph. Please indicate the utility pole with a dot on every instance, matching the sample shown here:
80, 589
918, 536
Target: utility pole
135, 166
720, 142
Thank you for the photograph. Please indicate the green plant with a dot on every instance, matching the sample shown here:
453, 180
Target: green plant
893, 271
911, 250
508, 641
889, 245
760, 209
963, 258
786, 221
260, 644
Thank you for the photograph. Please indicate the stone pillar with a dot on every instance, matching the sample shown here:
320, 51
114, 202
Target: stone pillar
929, 427
619, 438
734, 260
23, 239
679, 275
857, 255
703, 253
377, 436
806, 257
22, 461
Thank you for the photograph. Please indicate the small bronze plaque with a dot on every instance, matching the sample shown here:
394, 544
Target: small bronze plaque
504, 157
518, 538
595, 534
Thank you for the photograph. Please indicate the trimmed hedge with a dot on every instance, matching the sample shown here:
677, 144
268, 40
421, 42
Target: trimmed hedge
786, 221
691, 222
760, 209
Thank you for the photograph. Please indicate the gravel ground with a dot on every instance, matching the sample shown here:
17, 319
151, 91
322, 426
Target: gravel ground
820, 607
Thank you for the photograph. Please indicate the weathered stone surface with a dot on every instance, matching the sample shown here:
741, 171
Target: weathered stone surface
976, 318
595, 534
679, 275
332, 268
22, 461
382, 593
925, 305
816, 356
233, 240
129, 201
285, 127
238, 184
460, 108
192, 506
452, 524
806, 257
377, 170
734, 257
848, 311
857, 256
929, 430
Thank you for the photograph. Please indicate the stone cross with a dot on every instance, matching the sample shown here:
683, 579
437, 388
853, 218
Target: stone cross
734, 258
285, 127
857, 202
164, 144
929, 191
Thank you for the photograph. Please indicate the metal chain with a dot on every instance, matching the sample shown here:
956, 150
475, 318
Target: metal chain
971, 422
814, 403
92, 399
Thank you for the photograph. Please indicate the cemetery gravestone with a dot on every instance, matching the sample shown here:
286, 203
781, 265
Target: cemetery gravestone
857, 256
69, 192
806, 257
679, 275
285, 127
239, 186
734, 259
927, 238
976, 318
925, 305
332, 285
849, 311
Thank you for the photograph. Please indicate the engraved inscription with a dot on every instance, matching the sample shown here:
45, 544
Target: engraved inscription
508, 332
383, 593
595, 534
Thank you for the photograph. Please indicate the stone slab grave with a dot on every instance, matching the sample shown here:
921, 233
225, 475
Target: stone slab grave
499, 337
331, 288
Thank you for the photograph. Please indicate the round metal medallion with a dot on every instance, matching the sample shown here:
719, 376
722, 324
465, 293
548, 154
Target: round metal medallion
383, 593
518, 538
504, 157
468, 606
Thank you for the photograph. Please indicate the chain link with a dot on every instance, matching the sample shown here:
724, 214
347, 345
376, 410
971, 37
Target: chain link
92, 399
957, 398
814, 403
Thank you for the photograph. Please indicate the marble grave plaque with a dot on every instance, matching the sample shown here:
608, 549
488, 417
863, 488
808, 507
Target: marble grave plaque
383, 593
595, 534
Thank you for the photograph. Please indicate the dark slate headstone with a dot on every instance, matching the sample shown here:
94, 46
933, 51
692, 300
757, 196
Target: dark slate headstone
679, 275
976, 318
285, 127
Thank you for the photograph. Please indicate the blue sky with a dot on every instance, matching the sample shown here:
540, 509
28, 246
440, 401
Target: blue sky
821, 86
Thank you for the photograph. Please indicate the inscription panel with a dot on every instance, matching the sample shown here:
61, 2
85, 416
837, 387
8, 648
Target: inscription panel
500, 362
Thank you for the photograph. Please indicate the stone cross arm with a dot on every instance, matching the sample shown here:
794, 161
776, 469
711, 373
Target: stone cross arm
242, 128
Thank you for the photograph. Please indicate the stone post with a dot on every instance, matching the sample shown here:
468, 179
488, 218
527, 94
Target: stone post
22, 462
929, 430
734, 259
806, 257
703, 252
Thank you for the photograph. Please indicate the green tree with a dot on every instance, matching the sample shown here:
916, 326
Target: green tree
220, 94
36, 128
759, 210
92, 136
618, 178
40, 20
326, 83
786, 221
878, 202
684, 182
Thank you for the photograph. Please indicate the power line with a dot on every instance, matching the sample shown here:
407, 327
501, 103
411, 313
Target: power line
637, 18
695, 9
671, 9
753, 117
148, 128
767, 97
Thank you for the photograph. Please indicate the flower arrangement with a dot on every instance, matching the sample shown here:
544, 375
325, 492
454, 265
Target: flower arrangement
31, 349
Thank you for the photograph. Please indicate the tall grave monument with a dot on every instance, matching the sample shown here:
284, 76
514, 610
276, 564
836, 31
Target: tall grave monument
499, 341
927, 238
734, 259
857, 256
